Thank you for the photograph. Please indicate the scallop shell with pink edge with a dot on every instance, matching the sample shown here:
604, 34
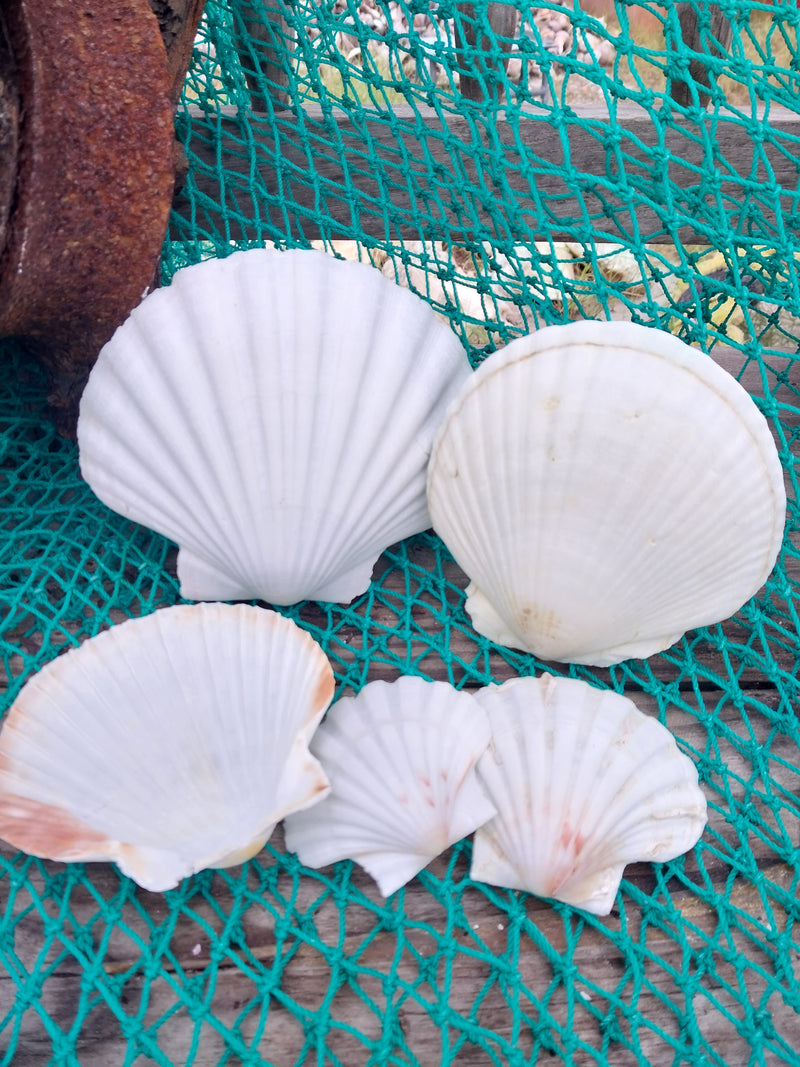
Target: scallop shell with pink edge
584, 783
606, 488
273, 413
401, 760
167, 744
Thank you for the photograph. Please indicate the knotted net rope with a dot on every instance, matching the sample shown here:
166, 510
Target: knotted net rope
394, 133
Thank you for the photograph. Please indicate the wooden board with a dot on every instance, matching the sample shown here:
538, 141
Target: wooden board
222, 937
698, 949
607, 167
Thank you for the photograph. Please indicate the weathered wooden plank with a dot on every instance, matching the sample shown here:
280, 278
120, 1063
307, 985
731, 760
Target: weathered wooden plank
593, 174
719, 40
263, 51
398, 636
481, 74
227, 939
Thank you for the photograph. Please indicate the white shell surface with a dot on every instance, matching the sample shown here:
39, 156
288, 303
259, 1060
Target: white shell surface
583, 783
606, 488
401, 760
273, 413
167, 744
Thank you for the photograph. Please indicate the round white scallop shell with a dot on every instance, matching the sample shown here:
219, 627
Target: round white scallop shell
401, 761
606, 488
584, 783
167, 744
273, 413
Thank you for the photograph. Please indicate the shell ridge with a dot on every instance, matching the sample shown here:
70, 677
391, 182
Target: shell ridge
399, 507
390, 764
500, 838
204, 392
335, 448
83, 666
351, 520
105, 712
154, 453
237, 381
619, 739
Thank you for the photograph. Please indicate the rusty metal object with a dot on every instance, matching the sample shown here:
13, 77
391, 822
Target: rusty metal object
9, 133
94, 176
178, 21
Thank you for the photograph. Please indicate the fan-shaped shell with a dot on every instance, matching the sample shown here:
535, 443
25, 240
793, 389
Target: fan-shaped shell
273, 413
401, 760
583, 783
167, 744
606, 488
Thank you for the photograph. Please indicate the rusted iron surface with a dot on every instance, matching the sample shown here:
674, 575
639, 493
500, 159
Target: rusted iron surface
9, 130
94, 177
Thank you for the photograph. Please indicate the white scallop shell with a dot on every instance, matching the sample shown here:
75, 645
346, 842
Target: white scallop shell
273, 413
167, 744
583, 783
401, 761
606, 488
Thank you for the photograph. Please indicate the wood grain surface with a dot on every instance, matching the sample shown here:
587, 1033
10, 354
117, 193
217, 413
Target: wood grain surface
610, 168
143, 946
703, 954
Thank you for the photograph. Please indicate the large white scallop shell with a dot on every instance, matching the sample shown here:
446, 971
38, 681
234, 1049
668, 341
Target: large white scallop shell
167, 744
401, 761
606, 488
584, 783
273, 413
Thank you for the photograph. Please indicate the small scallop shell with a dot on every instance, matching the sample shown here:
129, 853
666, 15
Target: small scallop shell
583, 783
606, 488
401, 760
167, 744
273, 413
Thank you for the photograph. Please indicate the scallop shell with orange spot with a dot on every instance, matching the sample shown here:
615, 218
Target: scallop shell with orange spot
167, 744
401, 760
584, 783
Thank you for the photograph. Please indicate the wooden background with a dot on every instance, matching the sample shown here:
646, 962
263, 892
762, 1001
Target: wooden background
692, 946
703, 955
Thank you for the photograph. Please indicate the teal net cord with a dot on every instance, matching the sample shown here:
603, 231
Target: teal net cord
299, 123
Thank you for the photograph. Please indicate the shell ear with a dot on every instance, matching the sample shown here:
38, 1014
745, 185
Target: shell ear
50, 832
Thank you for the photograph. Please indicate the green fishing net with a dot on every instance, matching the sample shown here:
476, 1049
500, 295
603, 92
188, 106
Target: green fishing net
405, 134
